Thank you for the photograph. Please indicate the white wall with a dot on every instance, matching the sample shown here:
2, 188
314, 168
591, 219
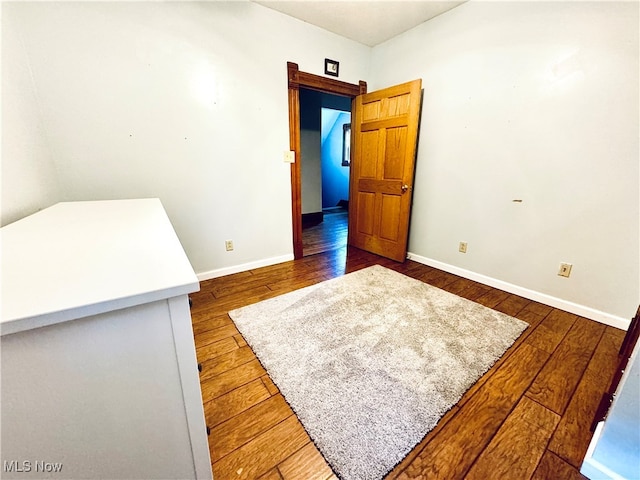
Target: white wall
29, 177
310, 158
188, 102
534, 101
311, 181
184, 101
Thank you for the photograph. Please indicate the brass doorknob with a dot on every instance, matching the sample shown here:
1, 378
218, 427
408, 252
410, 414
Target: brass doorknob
404, 188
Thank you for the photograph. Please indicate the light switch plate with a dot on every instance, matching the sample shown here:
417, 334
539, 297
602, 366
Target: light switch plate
290, 156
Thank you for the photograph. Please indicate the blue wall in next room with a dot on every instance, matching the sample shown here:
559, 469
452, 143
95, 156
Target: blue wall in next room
335, 177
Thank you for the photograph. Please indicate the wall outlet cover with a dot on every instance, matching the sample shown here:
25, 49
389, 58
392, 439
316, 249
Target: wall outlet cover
289, 156
565, 269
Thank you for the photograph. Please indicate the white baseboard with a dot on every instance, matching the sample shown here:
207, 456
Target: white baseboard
567, 306
221, 272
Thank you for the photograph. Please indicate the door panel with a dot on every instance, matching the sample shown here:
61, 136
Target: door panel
384, 135
370, 111
365, 214
390, 224
395, 147
367, 167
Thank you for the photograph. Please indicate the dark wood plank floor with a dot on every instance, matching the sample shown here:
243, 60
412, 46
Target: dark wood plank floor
528, 417
330, 234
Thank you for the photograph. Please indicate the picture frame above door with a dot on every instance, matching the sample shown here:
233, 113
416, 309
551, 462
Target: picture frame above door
296, 80
331, 67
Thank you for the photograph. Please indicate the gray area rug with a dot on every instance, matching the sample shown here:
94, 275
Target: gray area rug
370, 361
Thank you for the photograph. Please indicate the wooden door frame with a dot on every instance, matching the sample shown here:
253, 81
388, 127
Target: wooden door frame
297, 79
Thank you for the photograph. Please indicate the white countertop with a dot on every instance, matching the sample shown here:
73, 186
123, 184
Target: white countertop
77, 259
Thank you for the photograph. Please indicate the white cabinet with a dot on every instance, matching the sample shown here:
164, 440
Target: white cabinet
614, 451
99, 372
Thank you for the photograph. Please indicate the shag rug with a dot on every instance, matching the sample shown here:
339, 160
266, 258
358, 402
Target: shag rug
370, 361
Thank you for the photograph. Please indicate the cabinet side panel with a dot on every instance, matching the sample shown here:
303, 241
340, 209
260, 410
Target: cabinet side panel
188, 367
615, 451
101, 396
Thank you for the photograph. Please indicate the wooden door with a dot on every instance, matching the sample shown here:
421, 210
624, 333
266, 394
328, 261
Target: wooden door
384, 130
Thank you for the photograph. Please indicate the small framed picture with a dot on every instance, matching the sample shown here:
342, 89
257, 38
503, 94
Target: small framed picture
331, 67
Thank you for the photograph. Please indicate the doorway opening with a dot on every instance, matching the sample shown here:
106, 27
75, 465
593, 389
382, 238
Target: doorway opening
298, 81
325, 147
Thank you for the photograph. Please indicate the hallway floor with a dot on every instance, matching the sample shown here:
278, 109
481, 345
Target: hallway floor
330, 234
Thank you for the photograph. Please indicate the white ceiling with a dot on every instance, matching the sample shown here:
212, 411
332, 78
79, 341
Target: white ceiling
369, 22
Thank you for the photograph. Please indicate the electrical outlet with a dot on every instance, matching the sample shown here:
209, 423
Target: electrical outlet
228, 244
462, 248
565, 269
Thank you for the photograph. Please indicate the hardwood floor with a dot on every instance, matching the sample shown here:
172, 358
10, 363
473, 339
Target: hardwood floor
330, 234
527, 418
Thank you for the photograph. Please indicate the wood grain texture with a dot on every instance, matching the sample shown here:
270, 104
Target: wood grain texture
538, 308
330, 234
263, 452
572, 437
523, 314
224, 362
384, 140
460, 285
226, 289
512, 305
442, 280
297, 282
200, 298
295, 170
243, 409
473, 292
398, 471
226, 304
512, 453
235, 402
306, 463
212, 350
212, 336
206, 323
237, 431
548, 335
532, 318
553, 468
492, 298
273, 474
462, 440
556, 383
298, 79
240, 341
231, 379
270, 386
